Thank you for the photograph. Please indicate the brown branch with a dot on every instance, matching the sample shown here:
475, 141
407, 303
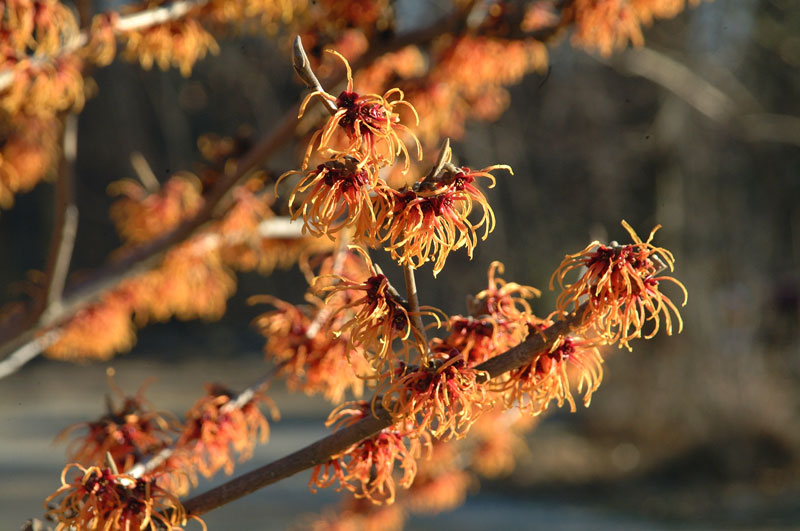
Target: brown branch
302, 67
413, 303
66, 221
324, 449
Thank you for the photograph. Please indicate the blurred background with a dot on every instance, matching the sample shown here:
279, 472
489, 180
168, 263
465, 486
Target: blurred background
698, 132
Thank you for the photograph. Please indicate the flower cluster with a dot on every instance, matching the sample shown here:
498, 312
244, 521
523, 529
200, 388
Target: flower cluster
370, 125
444, 398
127, 433
547, 377
100, 498
379, 315
367, 468
217, 425
620, 289
308, 354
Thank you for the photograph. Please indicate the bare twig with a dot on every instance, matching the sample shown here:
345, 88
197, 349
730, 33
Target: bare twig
144, 172
302, 67
324, 449
66, 221
738, 114
27, 352
277, 228
413, 303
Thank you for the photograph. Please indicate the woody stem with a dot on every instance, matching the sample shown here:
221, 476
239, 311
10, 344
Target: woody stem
413, 303
323, 450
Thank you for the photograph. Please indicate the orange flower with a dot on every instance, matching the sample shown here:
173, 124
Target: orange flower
621, 288
180, 43
445, 397
189, 284
441, 483
380, 315
29, 150
42, 88
309, 355
477, 339
102, 46
546, 378
97, 331
140, 216
357, 514
499, 319
496, 442
217, 425
608, 25
432, 217
503, 300
339, 194
442, 492
367, 468
129, 433
370, 122
98, 498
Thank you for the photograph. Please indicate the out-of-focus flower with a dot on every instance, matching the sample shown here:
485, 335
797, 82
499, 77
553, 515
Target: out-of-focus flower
356, 514
216, 426
129, 433
97, 331
179, 43
371, 124
102, 46
621, 287
309, 355
366, 468
608, 25
496, 442
99, 498
189, 284
140, 216
43, 88
29, 150
445, 398
468, 80
441, 483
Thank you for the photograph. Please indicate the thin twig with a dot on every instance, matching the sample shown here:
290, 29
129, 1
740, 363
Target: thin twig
276, 228
302, 66
27, 352
336, 270
66, 220
413, 303
324, 449
144, 172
